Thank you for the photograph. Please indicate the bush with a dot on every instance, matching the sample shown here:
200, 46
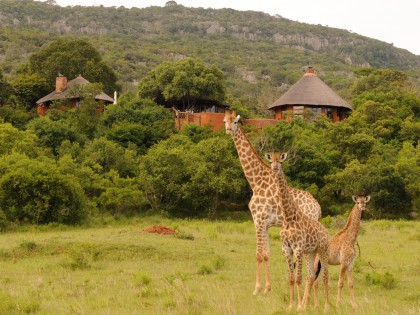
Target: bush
387, 280
36, 192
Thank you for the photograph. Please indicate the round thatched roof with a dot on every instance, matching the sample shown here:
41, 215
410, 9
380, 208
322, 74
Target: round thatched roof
310, 90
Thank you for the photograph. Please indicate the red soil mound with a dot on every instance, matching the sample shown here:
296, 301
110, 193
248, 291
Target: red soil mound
159, 229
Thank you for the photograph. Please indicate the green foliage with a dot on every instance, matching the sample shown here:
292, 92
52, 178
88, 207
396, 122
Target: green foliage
182, 177
35, 191
182, 54
15, 140
30, 87
72, 57
6, 89
104, 155
136, 122
387, 280
18, 117
52, 133
184, 81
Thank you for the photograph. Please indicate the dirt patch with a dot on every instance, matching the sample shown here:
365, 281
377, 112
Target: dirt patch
160, 229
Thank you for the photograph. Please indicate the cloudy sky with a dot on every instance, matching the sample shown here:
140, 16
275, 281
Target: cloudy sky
392, 21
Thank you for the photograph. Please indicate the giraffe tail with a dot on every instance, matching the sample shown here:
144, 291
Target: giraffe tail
318, 269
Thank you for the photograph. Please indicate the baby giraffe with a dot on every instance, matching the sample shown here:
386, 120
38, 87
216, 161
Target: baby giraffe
342, 251
301, 236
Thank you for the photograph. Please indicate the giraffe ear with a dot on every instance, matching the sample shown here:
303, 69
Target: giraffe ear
284, 156
237, 118
354, 198
367, 198
268, 156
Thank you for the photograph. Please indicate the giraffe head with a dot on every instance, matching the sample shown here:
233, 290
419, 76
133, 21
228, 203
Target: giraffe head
231, 122
361, 201
276, 159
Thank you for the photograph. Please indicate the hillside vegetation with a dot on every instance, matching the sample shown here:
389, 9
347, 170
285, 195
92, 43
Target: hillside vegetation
261, 54
128, 159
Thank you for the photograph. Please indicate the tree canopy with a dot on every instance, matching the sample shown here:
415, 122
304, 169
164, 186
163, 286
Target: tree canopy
71, 57
184, 81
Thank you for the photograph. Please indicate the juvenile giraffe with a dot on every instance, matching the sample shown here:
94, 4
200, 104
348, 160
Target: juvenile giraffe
301, 236
304, 200
342, 251
264, 204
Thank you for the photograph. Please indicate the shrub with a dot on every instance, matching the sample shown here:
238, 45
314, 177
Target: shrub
36, 192
387, 280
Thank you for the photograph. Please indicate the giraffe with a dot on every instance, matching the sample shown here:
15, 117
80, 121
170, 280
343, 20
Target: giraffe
304, 200
342, 251
264, 204
301, 236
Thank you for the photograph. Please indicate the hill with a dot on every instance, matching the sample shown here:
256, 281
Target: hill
261, 54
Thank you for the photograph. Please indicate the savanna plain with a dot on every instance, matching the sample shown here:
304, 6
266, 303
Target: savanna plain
208, 267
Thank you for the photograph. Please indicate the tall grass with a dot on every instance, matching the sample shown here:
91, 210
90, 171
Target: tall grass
210, 269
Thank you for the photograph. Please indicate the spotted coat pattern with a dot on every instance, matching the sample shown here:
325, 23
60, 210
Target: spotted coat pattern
264, 204
342, 250
301, 236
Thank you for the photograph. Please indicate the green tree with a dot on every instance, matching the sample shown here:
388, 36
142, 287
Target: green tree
185, 81
408, 167
103, 155
29, 88
52, 133
192, 179
137, 121
15, 140
35, 191
6, 89
72, 57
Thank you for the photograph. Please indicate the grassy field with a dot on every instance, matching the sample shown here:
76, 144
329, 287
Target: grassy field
208, 268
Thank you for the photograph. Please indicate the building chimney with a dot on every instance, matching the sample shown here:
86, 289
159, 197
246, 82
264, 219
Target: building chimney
310, 72
60, 83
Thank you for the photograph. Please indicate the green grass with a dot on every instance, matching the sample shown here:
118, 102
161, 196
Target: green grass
209, 268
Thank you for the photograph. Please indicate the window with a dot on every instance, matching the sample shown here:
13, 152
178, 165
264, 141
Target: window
314, 112
298, 110
329, 112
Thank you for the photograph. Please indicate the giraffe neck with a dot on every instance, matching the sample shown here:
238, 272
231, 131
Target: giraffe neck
288, 205
251, 162
351, 229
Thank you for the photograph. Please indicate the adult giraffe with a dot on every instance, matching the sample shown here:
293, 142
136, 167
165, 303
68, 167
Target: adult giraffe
265, 204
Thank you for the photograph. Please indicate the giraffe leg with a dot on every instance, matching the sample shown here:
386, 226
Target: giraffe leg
324, 266
343, 270
288, 254
299, 258
267, 263
316, 302
261, 247
350, 284
310, 259
258, 277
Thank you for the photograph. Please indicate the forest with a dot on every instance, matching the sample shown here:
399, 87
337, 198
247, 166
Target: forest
70, 166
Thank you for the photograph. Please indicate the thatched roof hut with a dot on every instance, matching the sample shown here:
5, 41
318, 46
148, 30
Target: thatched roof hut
310, 96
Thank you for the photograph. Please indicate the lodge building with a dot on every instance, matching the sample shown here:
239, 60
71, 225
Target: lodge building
308, 98
64, 92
